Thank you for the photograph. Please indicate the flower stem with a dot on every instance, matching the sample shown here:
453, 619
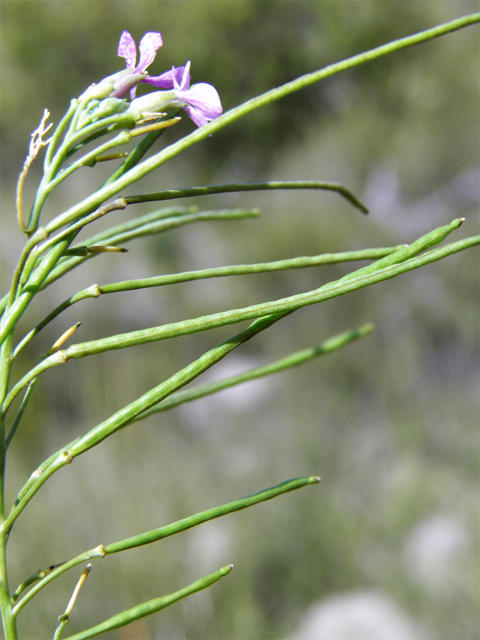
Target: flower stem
141, 170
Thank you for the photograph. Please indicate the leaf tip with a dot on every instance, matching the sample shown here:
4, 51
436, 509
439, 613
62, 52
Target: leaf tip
226, 570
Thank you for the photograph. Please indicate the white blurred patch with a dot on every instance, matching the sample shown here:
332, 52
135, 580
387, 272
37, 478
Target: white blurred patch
434, 548
363, 615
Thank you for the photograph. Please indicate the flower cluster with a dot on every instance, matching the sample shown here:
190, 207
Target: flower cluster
201, 101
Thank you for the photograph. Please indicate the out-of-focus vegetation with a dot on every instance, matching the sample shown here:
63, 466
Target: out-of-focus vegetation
390, 423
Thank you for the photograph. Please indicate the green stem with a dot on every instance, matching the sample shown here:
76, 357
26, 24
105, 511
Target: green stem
94, 291
29, 378
124, 416
89, 159
331, 290
149, 229
40, 235
147, 608
141, 149
8, 621
293, 360
57, 133
227, 118
20, 413
248, 186
119, 204
13, 314
211, 514
164, 532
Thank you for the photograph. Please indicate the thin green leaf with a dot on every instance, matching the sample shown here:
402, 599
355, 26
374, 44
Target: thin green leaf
356, 280
211, 514
150, 229
20, 413
152, 606
248, 186
148, 165
163, 532
124, 416
94, 291
293, 360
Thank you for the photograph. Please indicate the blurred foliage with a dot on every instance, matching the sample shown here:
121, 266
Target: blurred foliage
390, 424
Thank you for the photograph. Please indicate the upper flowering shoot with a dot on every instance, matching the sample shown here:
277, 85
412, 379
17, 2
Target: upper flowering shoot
119, 84
201, 101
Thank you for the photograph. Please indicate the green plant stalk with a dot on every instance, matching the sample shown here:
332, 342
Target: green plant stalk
94, 291
154, 396
97, 552
211, 514
167, 224
164, 532
119, 204
89, 159
138, 172
293, 360
328, 291
135, 223
72, 142
141, 149
388, 267
47, 363
74, 139
42, 193
248, 186
8, 621
382, 269
153, 228
152, 606
102, 236
9, 299
12, 315
302, 262
125, 415
36, 480
20, 413
38, 575
57, 134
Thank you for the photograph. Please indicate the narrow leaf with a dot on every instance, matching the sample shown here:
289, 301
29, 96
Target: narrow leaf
152, 606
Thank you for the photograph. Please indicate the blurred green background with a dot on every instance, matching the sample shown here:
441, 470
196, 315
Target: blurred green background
390, 423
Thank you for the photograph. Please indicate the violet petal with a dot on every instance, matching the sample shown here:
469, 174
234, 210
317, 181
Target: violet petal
149, 44
166, 80
205, 99
127, 49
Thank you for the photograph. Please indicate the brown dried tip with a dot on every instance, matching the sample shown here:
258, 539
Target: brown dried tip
106, 249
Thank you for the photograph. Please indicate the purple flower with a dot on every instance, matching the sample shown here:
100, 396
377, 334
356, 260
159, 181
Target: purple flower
149, 45
119, 84
201, 101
